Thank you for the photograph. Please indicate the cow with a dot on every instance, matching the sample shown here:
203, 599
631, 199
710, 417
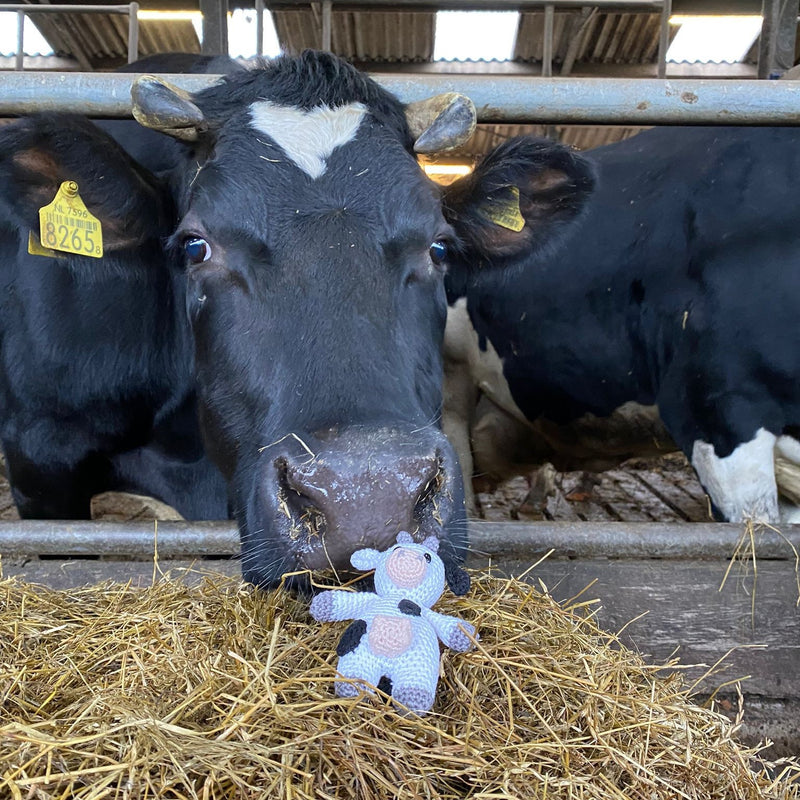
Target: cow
677, 287
96, 385
307, 251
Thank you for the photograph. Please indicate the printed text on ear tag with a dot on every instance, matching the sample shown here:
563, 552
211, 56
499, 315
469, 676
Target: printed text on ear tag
502, 208
67, 225
35, 247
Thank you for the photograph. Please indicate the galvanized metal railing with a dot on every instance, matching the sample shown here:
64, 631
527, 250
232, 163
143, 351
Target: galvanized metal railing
170, 540
498, 99
131, 9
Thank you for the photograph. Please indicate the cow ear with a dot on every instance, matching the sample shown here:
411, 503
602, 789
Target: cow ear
365, 559
519, 200
39, 153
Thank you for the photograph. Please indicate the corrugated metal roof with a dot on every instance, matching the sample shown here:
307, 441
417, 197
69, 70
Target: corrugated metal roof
601, 37
361, 35
102, 39
582, 137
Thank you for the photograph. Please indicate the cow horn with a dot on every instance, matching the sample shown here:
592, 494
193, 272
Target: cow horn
441, 123
166, 108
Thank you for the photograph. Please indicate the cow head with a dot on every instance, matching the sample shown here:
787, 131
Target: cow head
315, 251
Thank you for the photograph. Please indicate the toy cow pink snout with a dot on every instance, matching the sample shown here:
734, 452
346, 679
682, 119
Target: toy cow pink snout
395, 633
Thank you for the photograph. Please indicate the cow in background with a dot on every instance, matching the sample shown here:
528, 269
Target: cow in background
96, 384
301, 288
678, 288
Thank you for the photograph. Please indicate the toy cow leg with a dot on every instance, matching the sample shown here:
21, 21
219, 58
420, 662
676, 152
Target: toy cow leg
414, 674
356, 673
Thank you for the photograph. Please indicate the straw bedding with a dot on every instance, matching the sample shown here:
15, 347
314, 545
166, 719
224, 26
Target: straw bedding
218, 691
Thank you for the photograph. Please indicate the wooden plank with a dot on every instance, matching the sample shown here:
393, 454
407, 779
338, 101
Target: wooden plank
590, 509
617, 501
685, 612
640, 493
686, 497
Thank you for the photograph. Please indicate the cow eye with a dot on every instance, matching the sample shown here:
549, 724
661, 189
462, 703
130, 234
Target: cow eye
427, 557
438, 252
197, 250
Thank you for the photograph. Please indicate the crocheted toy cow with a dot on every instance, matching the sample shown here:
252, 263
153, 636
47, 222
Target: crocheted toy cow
395, 633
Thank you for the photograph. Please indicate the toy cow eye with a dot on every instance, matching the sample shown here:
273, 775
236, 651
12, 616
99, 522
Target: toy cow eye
428, 557
438, 252
197, 250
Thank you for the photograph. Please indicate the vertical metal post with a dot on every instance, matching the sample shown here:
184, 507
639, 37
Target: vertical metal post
259, 28
19, 62
547, 45
215, 27
327, 14
778, 32
133, 32
663, 38
769, 31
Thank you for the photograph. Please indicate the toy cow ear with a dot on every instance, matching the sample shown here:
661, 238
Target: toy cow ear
432, 543
457, 578
404, 537
365, 559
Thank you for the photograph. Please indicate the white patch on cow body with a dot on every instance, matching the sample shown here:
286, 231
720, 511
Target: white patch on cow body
308, 137
742, 485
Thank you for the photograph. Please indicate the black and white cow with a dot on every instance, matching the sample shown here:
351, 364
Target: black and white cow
679, 287
302, 285
96, 378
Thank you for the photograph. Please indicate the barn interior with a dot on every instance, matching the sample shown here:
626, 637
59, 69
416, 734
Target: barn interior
609, 39
563, 38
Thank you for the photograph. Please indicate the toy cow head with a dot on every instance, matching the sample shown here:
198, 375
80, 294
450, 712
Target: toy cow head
413, 571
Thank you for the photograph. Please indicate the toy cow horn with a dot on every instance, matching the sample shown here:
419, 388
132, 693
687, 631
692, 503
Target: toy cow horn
163, 107
441, 123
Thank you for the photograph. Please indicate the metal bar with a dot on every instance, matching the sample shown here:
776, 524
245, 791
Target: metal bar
259, 28
770, 12
661, 540
133, 33
64, 9
215, 27
663, 39
777, 42
547, 46
327, 24
575, 38
464, 5
19, 62
498, 98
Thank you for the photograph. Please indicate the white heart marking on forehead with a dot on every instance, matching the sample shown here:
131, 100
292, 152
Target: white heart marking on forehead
308, 137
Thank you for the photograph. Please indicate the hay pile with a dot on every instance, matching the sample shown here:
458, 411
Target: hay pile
216, 691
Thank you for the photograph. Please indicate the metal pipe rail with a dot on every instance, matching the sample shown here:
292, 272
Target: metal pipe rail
659, 540
510, 99
131, 9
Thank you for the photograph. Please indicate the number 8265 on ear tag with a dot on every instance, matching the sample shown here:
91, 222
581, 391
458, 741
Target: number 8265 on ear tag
67, 225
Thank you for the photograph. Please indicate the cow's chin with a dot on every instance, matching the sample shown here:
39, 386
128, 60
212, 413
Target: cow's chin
312, 509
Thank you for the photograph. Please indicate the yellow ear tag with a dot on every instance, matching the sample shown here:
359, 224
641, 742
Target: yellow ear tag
35, 247
503, 210
67, 225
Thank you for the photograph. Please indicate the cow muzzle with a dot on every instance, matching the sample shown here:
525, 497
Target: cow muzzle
360, 488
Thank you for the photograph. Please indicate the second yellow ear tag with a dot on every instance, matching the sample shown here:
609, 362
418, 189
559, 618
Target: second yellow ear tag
503, 209
67, 225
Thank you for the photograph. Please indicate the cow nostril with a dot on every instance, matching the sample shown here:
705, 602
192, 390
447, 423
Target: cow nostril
429, 502
307, 520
